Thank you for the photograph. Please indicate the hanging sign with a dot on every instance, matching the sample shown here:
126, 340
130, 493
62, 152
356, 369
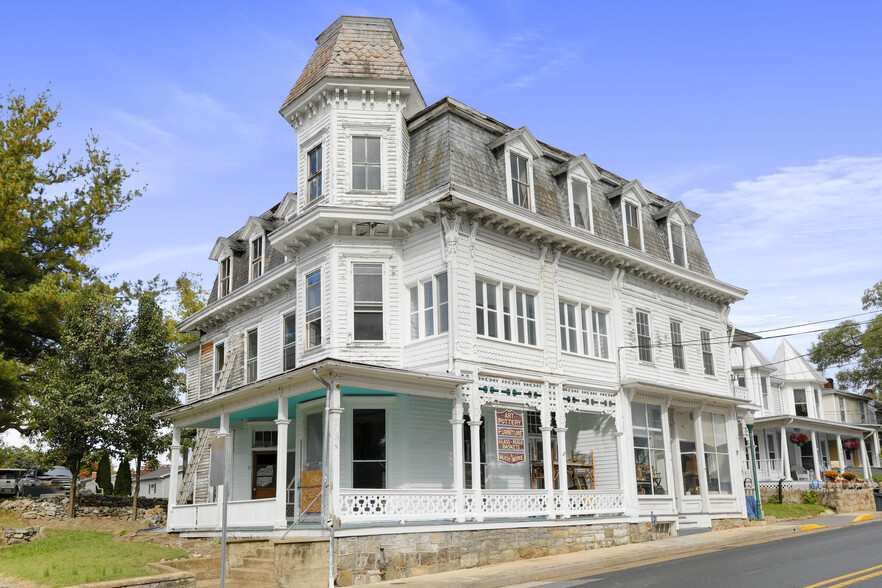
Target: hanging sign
510, 445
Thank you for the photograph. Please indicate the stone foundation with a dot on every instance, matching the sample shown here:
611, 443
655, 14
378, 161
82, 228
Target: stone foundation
723, 524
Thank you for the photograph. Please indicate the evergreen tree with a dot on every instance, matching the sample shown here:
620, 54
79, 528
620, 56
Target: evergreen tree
103, 477
123, 486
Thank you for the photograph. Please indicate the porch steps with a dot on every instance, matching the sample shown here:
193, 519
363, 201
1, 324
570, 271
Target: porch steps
259, 571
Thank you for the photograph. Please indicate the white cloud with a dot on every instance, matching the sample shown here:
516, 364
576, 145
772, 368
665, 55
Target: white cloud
803, 240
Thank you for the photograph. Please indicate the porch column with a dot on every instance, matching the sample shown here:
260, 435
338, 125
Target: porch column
560, 419
785, 455
547, 457
840, 453
282, 423
475, 432
702, 464
816, 462
175, 458
226, 436
865, 461
458, 461
335, 410
876, 448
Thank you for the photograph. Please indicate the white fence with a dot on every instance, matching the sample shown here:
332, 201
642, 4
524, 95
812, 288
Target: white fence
195, 516
251, 513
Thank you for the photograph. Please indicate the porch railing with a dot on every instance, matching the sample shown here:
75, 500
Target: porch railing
769, 468
415, 505
250, 513
196, 516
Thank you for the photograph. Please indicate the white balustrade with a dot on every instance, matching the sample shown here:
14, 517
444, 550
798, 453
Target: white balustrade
416, 505
770, 469
195, 516
251, 513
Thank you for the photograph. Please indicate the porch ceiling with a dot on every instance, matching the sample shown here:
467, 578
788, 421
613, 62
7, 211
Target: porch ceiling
818, 425
641, 386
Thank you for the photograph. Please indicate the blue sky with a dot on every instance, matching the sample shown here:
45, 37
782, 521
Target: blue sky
763, 117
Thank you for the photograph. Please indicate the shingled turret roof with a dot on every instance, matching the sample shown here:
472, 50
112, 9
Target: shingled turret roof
354, 47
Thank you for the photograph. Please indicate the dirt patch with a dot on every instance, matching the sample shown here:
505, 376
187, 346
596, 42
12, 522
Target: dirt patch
10, 581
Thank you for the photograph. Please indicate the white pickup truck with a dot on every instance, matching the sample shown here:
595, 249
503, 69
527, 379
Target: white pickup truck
8, 479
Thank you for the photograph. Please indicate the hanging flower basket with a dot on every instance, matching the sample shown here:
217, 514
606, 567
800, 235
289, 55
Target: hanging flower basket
851, 444
799, 438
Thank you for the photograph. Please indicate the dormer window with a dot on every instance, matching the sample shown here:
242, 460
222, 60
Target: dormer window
366, 163
632, 225
580, 196
224, 279
314, 174
256, 258
520, 181
678, 247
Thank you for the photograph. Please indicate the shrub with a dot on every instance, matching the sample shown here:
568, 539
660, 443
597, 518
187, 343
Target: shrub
773, 499
811, 497
123, 486
102, 479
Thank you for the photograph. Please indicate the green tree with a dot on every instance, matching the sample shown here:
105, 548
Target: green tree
52, 214
102, 479
855, 347
20, 457
77, 383
123, 485
151, 380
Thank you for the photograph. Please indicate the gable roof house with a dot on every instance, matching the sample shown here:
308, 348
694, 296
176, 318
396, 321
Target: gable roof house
804, 426
452, 326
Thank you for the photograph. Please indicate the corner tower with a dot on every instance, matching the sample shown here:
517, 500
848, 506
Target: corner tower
348, 108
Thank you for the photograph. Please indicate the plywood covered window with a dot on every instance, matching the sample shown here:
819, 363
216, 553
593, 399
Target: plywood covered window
367, 309
366, 168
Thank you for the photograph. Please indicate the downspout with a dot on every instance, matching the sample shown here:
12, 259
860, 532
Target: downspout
326, 522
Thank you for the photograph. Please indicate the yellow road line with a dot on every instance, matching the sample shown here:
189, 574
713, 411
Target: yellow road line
854, 580
846, 576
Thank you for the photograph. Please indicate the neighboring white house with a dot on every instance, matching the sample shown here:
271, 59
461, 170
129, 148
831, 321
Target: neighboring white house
155, 484
803, 427
489, 312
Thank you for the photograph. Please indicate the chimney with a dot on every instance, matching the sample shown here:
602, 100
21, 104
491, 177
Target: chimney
868, 393
829, 383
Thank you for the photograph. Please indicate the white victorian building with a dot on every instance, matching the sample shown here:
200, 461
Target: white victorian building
455, 326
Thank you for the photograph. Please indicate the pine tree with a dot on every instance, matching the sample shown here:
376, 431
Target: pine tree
103, 477
123, 486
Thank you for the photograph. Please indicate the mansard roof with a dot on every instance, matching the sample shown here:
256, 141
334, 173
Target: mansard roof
791, 366
354, 47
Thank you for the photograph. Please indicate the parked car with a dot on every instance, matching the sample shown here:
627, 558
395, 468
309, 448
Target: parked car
9, 481
39, 481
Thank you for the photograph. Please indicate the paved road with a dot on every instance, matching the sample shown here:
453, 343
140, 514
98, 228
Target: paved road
850, 556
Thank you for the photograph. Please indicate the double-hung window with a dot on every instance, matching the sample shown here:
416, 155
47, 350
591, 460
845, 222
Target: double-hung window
218, 363
581, 205
678, 248
863, 411
770, 446
707, 354
251, 356
314, 174
225, 277
314, 309
800, 404
366, 163
632, 226
649, 449
256, 258
520, 181
517, 316
716, 453
289, 341
644, 337
429, 307
367, 308
677, 345
568, 327
764, 386
600, 333
842, 418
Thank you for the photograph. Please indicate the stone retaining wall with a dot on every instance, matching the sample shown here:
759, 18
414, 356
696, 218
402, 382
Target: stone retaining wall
23, 535
150, 510
847, 500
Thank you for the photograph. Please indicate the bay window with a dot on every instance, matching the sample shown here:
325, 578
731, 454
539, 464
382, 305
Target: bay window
518, 316
314, 309
366, 168
429, 307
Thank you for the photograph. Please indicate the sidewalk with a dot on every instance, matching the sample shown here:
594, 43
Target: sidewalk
581, 563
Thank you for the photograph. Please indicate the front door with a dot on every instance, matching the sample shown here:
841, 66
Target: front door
263, 475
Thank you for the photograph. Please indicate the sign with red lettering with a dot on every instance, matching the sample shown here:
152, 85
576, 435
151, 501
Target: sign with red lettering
510, 444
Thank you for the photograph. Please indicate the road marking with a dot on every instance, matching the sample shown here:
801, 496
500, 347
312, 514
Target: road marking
812, 527
848, 576
854, 580
867, 517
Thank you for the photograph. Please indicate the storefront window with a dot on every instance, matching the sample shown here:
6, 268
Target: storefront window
716, 453
649, 449
689, 459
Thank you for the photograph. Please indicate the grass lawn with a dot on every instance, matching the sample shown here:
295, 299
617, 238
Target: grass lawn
793, 511
75, 557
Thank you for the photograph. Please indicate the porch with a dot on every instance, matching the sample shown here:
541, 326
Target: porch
802, 449
395, 456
